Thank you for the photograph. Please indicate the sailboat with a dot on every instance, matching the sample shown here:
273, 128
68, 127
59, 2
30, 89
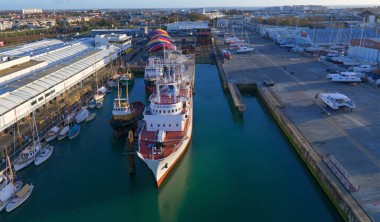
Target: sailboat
70, 117
63, 133
92, 104
90, 117
44, 154
8, 186
127, 77
28, 155
74, 131
20, 197
100, 93
125, 114
52, 133
99, 104
82, 115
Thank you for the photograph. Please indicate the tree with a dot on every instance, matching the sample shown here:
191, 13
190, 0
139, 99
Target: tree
197, 17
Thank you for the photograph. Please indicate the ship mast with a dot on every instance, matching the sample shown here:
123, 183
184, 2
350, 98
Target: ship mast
126, 91
10, 169
174, 85
110, 55
118, 91
35, 129
158, 91
96, 74
67, 103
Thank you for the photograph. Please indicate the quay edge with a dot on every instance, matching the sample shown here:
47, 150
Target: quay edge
344, 202
340, 197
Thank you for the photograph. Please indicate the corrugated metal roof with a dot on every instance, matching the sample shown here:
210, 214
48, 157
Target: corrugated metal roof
34, 48
27, 88
338, 36
68, 52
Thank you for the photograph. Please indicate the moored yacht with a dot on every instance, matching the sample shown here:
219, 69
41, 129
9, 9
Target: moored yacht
82, 115
9, 186
52, 134
8, 191
27, 156
100, 93
20, 197
244, 49
363, 68
337, 100
63, 133
74, 131
44, 155
346, 77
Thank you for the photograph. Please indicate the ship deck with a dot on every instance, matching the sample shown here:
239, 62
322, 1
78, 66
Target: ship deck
172, 141
167, 99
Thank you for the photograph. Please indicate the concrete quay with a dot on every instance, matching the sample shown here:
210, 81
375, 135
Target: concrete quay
237, 98
353, 138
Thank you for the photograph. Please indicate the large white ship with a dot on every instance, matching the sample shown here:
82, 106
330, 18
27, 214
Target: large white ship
168, 121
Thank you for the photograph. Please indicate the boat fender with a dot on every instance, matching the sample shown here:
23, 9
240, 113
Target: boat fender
130, 136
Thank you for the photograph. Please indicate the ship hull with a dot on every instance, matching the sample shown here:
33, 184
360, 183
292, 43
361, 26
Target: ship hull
128, 82
24, 164
161, 167
150, 85
122, 127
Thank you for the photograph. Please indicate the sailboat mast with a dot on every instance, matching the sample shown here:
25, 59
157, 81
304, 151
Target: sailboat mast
10, 170
67, 100
35, 127
18, 130
118, 91
126, 92
111, 63
58, 109
96, 73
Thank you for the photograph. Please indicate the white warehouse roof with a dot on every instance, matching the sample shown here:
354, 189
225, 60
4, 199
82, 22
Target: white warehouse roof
29, 87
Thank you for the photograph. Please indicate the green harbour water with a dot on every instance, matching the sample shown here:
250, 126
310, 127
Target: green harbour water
235, 169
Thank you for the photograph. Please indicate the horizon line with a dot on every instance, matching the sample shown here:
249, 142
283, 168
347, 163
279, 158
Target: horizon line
233, 7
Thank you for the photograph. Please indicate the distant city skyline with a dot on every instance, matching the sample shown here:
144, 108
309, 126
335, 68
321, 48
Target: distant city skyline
103, 4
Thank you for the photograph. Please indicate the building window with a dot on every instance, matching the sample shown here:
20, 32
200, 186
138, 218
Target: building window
164, 124
151, 125
41, 98
158, 125
34, 102
176, 124
164, 111
170, 125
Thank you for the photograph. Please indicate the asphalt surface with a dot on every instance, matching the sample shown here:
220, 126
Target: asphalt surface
352, 137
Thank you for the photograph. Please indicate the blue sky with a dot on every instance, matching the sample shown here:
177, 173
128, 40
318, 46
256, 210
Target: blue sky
78, 4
